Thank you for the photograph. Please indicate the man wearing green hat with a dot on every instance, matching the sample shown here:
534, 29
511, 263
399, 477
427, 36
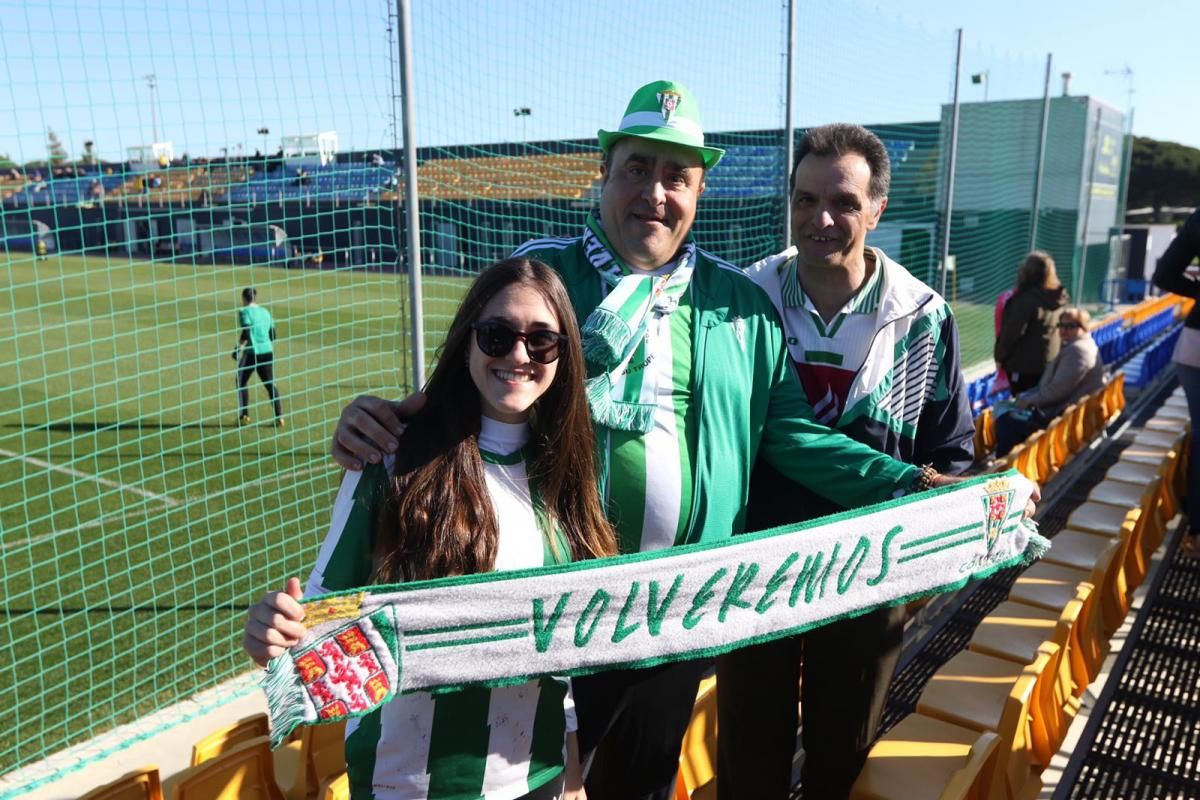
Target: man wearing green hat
688, 381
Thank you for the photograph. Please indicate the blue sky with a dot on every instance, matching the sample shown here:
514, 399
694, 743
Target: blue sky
225, 69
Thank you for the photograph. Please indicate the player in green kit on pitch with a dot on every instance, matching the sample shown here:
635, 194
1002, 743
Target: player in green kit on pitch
256, 338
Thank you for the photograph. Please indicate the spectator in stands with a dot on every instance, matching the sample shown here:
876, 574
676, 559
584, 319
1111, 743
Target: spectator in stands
1076, 370
256, 345
1177, 273
846, 308
516, 336
714, 364
1026, 342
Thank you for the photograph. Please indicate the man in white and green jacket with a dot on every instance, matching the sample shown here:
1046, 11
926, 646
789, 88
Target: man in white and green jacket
877, 353
689, 382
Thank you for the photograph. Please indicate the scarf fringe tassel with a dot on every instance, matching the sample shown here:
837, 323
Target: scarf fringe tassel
615, 414
285, 698
605, 336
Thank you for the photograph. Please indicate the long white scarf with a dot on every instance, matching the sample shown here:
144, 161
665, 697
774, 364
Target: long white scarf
499, 628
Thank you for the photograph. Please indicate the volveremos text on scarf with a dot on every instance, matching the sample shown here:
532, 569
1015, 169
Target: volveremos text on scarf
498, 628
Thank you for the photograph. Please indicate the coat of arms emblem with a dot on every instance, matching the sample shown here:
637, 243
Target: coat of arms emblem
997, 500
668, 102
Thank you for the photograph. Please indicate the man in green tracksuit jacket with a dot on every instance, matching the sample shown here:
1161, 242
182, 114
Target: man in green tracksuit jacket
689, 380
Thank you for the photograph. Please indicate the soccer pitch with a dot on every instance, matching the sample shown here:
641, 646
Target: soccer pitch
137, 519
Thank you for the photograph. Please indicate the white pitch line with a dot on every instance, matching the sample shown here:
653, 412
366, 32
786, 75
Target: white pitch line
37, 462
95, 523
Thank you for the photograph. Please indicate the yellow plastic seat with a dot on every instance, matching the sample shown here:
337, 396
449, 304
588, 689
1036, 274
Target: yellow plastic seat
1077, 433
971, 690
1094, 516
291, 775
1027, 461
1156, 437
1059, 453
219, 741
1012, 717
322, 752
1015, 631
984, 425
244, 772
1116, 493
1132, 472
698, 756
336, 788
141, 784
923, 758
1052, 586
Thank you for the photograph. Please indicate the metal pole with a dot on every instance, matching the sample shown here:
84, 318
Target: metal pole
1041, 157
410, 195
789, 131
953, 163
1087, 213
1128, 169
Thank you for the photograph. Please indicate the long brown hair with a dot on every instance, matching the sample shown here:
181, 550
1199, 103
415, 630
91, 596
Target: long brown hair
437, 518
1037, 271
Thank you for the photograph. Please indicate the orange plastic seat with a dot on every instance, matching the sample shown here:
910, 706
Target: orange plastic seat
337, 788
1015, 631
1009, 710
226, 738
141, 784
698, 756
1117, 493
244, 772
923, 758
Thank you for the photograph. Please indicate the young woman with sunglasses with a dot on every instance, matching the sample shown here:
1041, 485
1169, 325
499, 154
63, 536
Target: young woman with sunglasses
498, 472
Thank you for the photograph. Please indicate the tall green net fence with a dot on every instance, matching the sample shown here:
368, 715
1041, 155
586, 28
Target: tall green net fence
162, 157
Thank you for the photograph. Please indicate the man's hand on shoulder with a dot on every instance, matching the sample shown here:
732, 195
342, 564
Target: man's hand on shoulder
371, 427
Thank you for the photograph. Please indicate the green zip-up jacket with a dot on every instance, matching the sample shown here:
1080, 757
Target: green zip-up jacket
747, 393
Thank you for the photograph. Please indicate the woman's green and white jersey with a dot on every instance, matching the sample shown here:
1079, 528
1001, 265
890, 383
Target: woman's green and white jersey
496, 744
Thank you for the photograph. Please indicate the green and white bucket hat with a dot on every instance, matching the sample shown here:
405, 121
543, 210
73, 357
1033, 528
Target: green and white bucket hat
665, 111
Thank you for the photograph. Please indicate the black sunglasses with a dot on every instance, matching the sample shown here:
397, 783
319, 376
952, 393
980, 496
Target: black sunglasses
1069, 325
496, 339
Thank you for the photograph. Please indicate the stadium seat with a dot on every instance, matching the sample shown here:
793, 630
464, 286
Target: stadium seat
923, 758
141, 784
698, 757
971, 689
230, 736
337, 788
985, 435
959, 690
245, 772
1014, 631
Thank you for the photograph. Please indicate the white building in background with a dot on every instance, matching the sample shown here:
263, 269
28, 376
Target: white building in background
151, 155
310, 149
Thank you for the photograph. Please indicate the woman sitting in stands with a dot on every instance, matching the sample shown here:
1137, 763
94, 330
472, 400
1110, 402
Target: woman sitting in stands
1076, 370
498, 472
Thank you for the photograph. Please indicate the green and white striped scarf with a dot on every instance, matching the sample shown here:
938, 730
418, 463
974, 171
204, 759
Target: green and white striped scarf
501, 628
616, 329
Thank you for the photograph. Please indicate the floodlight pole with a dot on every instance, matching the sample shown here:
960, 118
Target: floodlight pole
951, 167
789, 130
1041, 157
413, 215
152, 82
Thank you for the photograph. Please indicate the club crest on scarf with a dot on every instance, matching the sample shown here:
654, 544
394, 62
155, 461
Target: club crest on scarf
668, 102
997, 499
